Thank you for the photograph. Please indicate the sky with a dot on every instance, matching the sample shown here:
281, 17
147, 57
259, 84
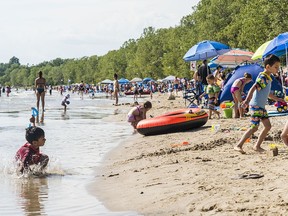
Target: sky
35, 31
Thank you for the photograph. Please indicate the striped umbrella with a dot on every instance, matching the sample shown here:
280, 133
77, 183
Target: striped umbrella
233, 58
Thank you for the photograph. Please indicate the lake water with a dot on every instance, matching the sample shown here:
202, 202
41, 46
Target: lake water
75, 143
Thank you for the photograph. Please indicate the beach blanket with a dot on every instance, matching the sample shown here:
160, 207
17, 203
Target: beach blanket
273, 113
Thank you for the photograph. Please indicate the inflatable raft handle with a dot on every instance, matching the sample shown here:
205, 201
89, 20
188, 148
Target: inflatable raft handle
34, 111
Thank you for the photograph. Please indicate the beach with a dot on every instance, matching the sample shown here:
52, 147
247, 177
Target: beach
159, 175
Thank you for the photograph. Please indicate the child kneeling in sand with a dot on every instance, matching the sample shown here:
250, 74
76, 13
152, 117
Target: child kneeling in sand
29, 154
138, 113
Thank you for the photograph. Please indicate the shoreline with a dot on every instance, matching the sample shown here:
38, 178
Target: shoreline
158, 175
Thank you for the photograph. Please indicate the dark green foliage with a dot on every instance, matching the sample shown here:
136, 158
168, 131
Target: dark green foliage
158, 53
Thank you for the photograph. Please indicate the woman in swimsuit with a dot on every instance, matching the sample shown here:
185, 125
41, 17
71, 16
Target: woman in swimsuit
237, 91
40, 86
138, 113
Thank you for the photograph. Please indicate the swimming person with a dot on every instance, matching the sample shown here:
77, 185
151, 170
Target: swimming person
40, 87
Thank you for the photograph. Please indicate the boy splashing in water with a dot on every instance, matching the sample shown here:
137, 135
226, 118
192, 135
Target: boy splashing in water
29, 154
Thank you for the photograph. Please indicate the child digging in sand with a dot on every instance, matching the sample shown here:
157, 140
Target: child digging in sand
138, 113
212, 90
257, 96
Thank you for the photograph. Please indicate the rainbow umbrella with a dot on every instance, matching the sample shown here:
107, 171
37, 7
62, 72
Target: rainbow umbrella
259, 52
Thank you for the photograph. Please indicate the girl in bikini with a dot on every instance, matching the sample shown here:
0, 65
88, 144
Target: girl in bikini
138, 113
237, 91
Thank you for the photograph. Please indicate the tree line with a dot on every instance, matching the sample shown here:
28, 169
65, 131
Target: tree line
157, 53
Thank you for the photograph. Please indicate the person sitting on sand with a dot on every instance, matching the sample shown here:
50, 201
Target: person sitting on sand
257, 96
237, 91
212, 90
65, 101
138, 113
29, 154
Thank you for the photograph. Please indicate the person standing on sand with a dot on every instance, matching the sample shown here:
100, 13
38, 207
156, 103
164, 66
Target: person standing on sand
257, 96
40, 87
237, 92
116, 89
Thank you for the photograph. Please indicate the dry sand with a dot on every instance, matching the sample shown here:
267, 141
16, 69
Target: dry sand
158, 175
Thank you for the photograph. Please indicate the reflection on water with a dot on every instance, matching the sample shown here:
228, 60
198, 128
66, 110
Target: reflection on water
33, 192
76, 143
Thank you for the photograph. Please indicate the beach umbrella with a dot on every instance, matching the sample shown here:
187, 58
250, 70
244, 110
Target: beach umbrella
277, 46
169, 78
136, 79
233, 58
123, 81
107, 81
254, 70
259, 52
204, 50
212, 64
146, 80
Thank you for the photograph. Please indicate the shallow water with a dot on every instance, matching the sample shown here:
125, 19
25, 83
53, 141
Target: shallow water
76, 143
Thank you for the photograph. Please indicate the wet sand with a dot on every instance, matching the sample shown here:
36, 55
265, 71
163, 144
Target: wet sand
159, 175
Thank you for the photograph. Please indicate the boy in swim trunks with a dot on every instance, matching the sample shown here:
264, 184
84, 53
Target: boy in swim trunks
257, 96
212, 90
138, 113
29, 154
237, 91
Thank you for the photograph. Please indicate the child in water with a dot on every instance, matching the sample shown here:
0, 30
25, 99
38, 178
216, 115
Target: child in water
138, 113
65, 101
29, 154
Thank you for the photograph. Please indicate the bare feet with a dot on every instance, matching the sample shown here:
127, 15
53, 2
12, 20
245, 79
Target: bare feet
236, 148
259, 149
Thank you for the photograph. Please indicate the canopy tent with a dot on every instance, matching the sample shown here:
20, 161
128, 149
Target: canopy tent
107, 81
123, 81
136, 79
254, 70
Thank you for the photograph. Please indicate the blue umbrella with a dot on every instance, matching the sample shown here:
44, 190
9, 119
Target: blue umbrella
146, 80
278, 45
123, 81
204, 50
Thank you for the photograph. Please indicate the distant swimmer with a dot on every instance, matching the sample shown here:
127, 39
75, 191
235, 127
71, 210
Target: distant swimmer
40, 88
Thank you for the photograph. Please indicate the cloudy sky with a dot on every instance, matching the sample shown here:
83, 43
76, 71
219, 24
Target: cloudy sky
41, 30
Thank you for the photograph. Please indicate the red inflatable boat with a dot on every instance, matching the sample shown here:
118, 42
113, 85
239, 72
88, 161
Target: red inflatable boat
176, 121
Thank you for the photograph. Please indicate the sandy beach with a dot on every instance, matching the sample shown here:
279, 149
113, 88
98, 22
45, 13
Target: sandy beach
158, 175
